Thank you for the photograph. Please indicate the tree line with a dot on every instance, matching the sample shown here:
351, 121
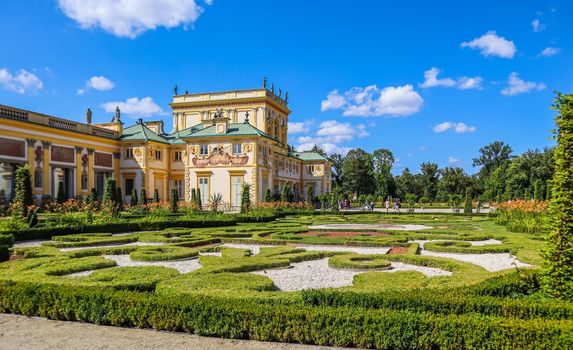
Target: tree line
502, 175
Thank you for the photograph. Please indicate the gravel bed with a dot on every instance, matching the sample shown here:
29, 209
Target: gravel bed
317, 274
183, 265
29, 244
337, 248
406, 227
492, 262
254, 248
474, 243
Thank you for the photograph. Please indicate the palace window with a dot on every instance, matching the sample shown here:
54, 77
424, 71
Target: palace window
237, 148
129, 153
178, 184
203, 150
310, 169
128, 187
157, 155
178, 155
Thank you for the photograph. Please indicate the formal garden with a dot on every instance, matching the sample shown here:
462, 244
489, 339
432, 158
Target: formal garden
284, 271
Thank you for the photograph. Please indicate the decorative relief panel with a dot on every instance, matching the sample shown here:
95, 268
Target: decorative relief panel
219, 156
62, 154
12, 148
103, 159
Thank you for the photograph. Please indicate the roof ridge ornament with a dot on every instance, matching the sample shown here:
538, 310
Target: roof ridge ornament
247, 118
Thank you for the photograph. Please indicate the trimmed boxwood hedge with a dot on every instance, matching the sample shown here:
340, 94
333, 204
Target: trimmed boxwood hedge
359, 261
244, 319
47, 233
464, 247
162, 253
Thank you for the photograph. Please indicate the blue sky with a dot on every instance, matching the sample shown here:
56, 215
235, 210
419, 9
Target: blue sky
432, 82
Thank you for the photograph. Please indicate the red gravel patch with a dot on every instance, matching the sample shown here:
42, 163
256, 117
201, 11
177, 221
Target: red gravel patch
334, 234
398, 250
16, 257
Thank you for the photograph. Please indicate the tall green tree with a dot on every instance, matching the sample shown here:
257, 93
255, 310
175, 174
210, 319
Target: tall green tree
382, 162
453, 181
491, 157
357, 170
429, 174
558, 268
246, 198
336, 160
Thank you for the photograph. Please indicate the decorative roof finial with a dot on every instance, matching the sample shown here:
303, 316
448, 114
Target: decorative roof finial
280, 92
247, 118
117, 114
273, 88
89, 116
175, 90
286, 96
264, 82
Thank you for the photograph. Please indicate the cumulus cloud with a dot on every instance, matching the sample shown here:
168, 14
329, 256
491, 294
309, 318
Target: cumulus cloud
550, 51
516, 86
21, 82
373, 101
135, 107
537, 25
299, 127
463, 83
454, 160
99, 83
490, 44
460, 128
330, 135
131, 18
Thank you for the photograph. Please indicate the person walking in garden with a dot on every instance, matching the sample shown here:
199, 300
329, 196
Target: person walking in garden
387, 205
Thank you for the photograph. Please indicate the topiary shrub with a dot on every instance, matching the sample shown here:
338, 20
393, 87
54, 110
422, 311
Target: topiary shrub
23, 188
558, 270
268, 196
156, 196
246, 198
162, 253
468, 203
173, 200
61, 195
143, 197
134, 200
464, 247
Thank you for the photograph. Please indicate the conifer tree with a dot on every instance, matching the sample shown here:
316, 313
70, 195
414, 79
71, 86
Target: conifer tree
246, 198
468, 209
23, 188
143, 197
268, 196
61, 195
156, 196
199, 203
557, 278
134, 200
173, 200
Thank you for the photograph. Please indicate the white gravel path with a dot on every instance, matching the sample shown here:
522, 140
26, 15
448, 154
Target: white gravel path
317, 274
334, 248
29, 244
474, 243
376, 227
492, 262
183, 266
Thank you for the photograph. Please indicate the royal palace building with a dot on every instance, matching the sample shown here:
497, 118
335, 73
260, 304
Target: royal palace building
219, 141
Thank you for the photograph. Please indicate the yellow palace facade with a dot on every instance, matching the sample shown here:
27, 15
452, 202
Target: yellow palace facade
219, 141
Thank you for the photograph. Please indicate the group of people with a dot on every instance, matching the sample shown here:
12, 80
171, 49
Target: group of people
397, 205
344, 204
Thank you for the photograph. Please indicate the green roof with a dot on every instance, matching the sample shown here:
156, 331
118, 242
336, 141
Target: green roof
233, 129
309, 155
140, 132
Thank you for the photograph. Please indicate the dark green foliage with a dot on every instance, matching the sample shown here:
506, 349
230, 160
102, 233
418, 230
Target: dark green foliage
464, 247
310, 195
61, 195
558, 272
109, 193
359, 261
285, 195
199, 203
173, 200
32, 218
193, 196
246, 198
156, 196
162, 253
23, 188
133, 200
468, 209
143, 197
118, 196
92, 196
268, 196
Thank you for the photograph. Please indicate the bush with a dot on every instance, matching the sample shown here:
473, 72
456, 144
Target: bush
23, 190
464, 247
173, 200
246, 198
359, 261
162, 253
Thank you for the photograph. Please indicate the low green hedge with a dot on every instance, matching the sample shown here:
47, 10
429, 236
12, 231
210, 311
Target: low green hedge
359, 261
6, 241
243, 319
464, 247
162, 253
47, 233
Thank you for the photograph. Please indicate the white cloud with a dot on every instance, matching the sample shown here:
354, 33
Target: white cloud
518, 86
131, 18
99, 83
330, 135
373, 101
490, 44
135, 107
431, 79
550, 51
463, 83
21, 82
537, 25
453, 160
460, 128
299, 127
